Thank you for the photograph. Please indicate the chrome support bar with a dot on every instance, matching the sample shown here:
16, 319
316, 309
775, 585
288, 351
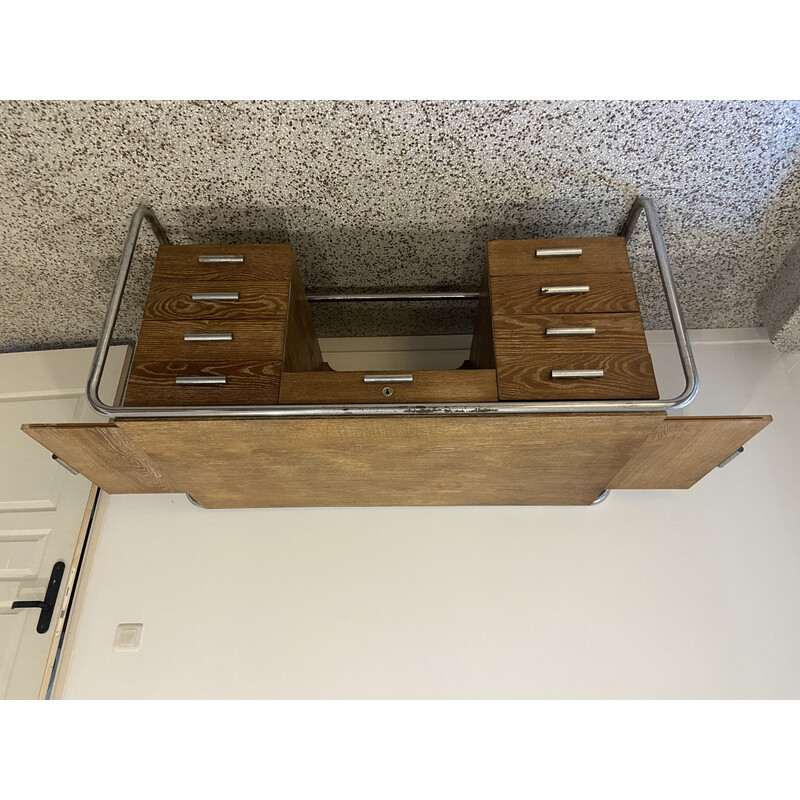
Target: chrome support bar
389, 378
721, 464
207, 337
396, 409
584, 331
353, 298
221, 259
559, 251
215, 295
576, 373
670, 293
64, 464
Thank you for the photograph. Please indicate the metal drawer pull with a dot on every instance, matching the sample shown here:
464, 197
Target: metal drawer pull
215, 295
564, 290
201, 380
559, 251
586, 331
207, 337
221, 259
576, 373
408, 378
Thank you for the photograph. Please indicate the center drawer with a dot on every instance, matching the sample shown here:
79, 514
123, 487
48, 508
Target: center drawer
426, 386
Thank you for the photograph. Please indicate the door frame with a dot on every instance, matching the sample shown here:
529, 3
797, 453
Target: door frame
57, 654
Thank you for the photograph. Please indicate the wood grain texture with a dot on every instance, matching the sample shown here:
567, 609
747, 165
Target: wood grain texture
481, 354
523, 335
684, 449
518, 257
609, 292
152, 383
104, 455
262, 262
173, 300
628, 376
301, 348
407, 461
253, 340
429, 386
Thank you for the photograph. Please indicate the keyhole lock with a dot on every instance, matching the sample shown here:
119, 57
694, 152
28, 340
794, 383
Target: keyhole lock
387, 391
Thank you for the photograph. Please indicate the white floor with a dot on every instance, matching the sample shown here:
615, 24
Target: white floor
690, 594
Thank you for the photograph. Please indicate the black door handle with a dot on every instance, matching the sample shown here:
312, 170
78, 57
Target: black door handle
49, 603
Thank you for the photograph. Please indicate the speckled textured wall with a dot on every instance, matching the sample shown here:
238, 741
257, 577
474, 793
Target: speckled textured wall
388, 196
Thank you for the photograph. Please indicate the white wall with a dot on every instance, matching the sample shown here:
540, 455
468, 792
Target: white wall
655, 594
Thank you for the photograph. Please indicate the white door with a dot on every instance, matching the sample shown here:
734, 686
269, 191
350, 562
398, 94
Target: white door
42, 505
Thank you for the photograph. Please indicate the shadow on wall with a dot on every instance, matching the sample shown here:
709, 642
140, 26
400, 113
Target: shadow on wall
407, 256
402, 255
779, 301
397, 256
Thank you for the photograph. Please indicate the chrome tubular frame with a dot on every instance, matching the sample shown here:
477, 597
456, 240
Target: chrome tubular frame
386, 410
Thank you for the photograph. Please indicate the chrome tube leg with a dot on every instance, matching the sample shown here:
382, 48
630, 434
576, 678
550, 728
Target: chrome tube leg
670, 292
101, 352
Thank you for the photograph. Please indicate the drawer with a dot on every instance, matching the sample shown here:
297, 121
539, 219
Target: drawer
207, 340
542, 334
606, 292
153, 383
626, 376
225, 300
427, 386
519, 256
241, 262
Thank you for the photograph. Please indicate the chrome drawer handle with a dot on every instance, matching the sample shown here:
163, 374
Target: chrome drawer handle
215, 295
389, 378
586, 331
559, 251
221, 259
201, 380
576, 373
207, 337
564, 290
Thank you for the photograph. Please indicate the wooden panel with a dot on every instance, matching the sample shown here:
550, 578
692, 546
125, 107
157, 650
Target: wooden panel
152, 383
628, 376
684, 449
504, 460
526, 335
104, 455
301, 353
262, 262
256, 340
431, 386
518, 257
610, 292
173, 300
481, 354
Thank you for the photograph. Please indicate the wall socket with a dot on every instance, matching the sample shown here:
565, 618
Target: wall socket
128, 637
